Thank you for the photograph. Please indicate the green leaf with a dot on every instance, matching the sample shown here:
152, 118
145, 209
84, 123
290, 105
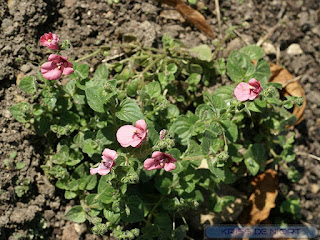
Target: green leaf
42, 125
163, 185
239, 66
91, 182
225, 92
101, 73
171, 68
81, 70
153, 89
28, 84
222, 203
253, 52
112, 217
69, 194
252, 166
220, 66
21, 112
262, 72
218, 103
180, 233
133, 210
106, 193
231, 130
217, 171
129, 111
202, 52
208, 142
183, 127
96, 98
76, 214
20, 165
255, 158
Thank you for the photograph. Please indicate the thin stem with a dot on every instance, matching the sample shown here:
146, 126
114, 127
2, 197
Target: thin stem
149, 67
154, 208
89, 56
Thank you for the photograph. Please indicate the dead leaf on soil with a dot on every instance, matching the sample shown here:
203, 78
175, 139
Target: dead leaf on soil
262, 200
191, 15
291, 87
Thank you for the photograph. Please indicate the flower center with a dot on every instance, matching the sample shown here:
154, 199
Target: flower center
136, 133
49, 40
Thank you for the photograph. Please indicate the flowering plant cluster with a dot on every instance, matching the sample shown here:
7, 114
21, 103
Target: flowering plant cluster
167, 139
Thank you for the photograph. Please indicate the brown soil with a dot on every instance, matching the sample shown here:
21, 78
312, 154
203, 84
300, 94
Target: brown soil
88, 24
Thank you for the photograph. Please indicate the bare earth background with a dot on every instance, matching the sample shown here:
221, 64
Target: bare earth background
88, 24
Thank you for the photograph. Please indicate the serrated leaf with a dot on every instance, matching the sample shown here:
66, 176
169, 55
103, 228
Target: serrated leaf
28, 84
253, 52
106, 192
239, 66
76, 214
231, 130
153, 89
101, 73
81, 70
21, 112
262, 72
202, 52
129, 111
183, 127
96, 99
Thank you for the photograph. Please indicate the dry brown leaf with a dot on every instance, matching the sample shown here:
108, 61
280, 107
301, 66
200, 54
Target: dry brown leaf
191, 15
291, 87
262, 200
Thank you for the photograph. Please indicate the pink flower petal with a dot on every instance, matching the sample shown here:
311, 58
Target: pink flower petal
50, 71
126, 136
253, 82
242, 91
54, 57
141, 124
94, 171
157, 155
151, 164
67, 70
109, 154
104, 171
169, 166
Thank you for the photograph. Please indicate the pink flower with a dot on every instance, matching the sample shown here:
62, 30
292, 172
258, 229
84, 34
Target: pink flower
245, 91
129, 135
160, 160
108, 157
50, 40
57, 65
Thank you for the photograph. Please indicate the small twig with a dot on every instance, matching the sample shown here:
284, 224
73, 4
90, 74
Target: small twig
292, 80
278, 55
308, 154
113, 57
269, 33
218, 15
241, 37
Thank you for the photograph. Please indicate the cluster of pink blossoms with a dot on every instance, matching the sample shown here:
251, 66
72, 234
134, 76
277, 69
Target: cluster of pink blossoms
245, 91
133, 136
56, 65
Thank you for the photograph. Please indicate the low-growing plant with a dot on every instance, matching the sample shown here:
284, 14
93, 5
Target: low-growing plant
160, 129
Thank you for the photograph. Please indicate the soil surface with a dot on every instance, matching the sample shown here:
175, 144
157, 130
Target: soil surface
38, 213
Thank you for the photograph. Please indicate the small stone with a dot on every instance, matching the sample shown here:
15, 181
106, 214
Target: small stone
25, 68
109, 15
269, 49
80, 228
171, 14
315, 188
203, 37
70, 3
294, 49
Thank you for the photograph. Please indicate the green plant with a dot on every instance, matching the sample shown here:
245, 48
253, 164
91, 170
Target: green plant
214, 137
